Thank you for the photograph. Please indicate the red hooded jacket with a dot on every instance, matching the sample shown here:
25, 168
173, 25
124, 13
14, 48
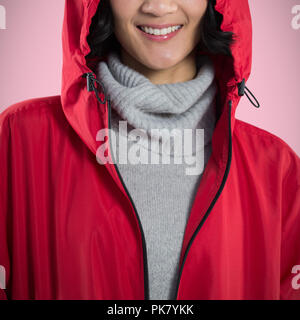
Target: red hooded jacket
69, 228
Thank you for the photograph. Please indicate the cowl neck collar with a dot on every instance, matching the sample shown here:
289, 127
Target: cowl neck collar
146, 105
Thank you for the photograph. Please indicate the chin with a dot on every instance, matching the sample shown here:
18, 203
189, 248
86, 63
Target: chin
160, 63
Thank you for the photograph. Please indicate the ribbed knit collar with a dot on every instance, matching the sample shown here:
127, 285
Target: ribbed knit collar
144, 105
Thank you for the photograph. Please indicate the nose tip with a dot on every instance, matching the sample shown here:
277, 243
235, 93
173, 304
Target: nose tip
159, 7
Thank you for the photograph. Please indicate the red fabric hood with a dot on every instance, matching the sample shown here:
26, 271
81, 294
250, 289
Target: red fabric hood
82, 108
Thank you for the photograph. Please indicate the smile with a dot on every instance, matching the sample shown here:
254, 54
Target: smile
160, 34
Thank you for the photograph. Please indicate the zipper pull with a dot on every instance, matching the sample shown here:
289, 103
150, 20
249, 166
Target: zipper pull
90, 85
242, 90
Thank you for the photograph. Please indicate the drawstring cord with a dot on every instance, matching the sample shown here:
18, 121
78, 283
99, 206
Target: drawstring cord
242, 90
91, 79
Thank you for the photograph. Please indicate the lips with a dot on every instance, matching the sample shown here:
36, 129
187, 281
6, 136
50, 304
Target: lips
159, 37
159, 26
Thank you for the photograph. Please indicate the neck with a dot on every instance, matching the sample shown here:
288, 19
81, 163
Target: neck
185, 70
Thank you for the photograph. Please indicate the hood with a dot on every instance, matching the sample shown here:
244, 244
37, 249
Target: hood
87, 111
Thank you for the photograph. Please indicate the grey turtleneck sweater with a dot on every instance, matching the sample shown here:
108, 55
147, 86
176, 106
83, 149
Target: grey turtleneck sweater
162, 191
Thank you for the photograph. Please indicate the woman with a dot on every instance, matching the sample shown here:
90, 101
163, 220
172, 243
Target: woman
76, 223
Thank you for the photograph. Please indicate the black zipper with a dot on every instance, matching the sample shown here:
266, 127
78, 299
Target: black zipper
91, 78
146, 277
212, 203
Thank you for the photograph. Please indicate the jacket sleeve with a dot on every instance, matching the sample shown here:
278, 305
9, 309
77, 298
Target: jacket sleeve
290, 235
4, 204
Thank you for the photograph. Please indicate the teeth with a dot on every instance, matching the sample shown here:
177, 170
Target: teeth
160, 32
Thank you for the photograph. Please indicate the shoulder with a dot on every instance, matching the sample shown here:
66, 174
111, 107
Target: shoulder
254, 132
260, 135
31, 110
259, 143
31, 106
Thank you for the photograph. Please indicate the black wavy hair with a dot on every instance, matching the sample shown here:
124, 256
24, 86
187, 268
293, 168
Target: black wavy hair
102, 40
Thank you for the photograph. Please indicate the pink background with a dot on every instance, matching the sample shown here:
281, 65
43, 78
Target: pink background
31, 60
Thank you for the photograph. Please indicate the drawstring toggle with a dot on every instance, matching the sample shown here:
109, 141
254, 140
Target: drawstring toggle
90, 84
242, 90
